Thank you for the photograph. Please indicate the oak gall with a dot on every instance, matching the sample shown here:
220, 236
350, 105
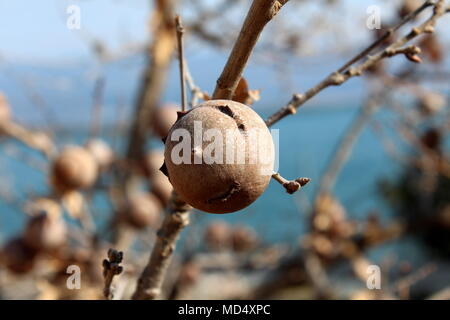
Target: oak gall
221, 186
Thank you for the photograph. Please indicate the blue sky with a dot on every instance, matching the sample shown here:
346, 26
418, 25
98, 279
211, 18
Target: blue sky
37, 29
34, 33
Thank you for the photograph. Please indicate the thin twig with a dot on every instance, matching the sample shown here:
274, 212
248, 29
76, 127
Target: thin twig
196, 91
317, 275
199, 28
389, 33
35, 98
344, 147
19, 154
151, 280
152, 85
443, 294
160, 54
346, 72
388, 145
290, 186
404, 285
180, 32
33, 139
97, 98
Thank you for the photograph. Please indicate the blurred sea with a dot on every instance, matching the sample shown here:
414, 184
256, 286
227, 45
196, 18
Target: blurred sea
306, 140
305, 144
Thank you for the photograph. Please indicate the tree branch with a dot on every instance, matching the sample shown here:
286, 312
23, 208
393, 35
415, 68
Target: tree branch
180, 32
33, 139
290, 186
346, 72
259, 14
154, 76
345, 146
151, 279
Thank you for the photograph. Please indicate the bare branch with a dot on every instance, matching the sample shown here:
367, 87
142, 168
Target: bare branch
33, 139
180, 32
344, 147
389, 33
345, 72
151, 279
97, 102
291, 186
259, 14
196, 91
154, 77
